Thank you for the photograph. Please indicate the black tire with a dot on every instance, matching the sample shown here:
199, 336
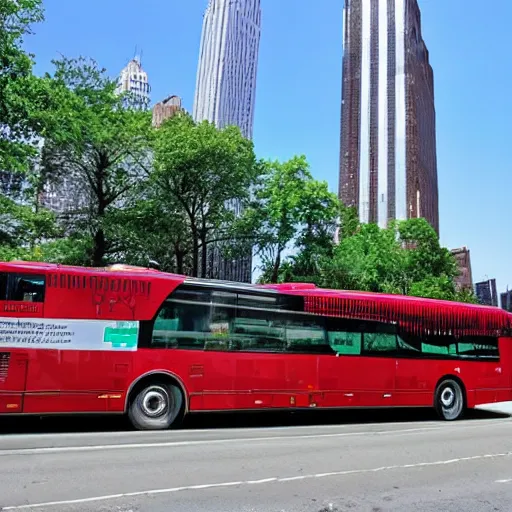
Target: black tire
450, 402
156, 406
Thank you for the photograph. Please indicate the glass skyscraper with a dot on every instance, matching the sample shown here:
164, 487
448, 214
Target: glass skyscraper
228, 60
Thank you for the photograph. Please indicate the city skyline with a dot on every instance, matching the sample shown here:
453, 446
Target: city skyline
388, 163
299, 94
228, 61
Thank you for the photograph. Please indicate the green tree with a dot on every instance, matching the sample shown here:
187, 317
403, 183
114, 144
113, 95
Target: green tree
27, 102
199, 175
371, 260
288, 207
22, 229
100, 146
406, 258
152, 228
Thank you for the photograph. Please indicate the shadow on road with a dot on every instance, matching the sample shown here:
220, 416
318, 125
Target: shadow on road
62, 424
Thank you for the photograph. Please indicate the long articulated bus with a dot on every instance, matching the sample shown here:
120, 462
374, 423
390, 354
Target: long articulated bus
157, 346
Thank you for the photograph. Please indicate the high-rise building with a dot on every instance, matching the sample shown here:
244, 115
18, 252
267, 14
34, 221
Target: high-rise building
134, 80
228, 59
166, 109
506, 301
464, 281
486, 292
226, 91
388, 163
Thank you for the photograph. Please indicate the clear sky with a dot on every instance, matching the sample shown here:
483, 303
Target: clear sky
299, 92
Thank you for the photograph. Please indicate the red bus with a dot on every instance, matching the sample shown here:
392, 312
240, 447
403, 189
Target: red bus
157, 346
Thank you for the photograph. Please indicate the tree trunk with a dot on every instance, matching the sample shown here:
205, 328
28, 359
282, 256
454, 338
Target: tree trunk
179, 260
204, 256
99, 248
195, 255
275, 270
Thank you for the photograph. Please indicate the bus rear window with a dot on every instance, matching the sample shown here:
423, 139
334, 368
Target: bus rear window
26, 288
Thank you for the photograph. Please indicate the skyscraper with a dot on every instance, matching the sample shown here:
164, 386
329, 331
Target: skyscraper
228, 59
226, 91
388, 163
134, 80
486, 294
464, 281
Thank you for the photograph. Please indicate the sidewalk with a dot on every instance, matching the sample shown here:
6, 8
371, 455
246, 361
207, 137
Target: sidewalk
500, 407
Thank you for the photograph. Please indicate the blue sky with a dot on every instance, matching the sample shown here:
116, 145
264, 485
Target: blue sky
299, 92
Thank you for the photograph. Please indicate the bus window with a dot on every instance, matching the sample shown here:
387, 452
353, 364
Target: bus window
3, 286
478, 346
26, 288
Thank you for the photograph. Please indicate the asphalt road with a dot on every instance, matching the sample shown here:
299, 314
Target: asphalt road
376, 467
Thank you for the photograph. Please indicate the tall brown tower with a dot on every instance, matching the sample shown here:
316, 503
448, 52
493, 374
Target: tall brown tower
388, 163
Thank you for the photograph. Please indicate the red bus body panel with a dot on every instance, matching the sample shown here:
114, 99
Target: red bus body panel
44, 381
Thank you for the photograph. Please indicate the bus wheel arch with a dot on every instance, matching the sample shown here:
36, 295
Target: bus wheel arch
450, 398
156, 401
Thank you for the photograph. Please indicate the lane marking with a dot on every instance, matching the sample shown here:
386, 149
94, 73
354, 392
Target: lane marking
506, 481
173, 444
461, 427
171, 490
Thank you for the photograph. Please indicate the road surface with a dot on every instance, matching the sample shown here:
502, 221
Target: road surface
399, 467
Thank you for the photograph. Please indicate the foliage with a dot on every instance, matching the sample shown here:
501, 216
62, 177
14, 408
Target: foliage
101, 149
200, 176
152, 229
21, 226
26, 101
288, 205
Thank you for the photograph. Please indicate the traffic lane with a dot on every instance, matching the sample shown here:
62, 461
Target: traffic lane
34, 441
220, 420
60, 474
471, 484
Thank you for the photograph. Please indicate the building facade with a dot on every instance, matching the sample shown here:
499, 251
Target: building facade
388, 162
464, 281
486, 292
166, 109
134, 80
228, 60
506, 301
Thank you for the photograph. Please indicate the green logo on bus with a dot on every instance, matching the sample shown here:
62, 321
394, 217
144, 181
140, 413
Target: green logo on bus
123, 335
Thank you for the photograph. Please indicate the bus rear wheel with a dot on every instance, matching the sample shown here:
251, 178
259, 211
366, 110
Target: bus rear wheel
156, 406
449, 400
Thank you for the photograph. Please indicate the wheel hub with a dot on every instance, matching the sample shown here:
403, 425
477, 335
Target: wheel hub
155, 402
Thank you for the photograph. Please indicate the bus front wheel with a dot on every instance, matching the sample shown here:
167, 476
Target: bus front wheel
156, 406
449, 400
